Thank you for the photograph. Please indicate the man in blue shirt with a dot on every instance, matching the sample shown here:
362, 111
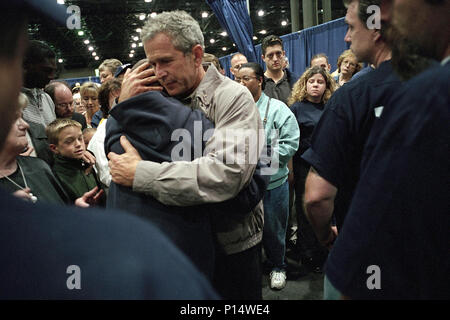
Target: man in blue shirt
394, 244
340, 135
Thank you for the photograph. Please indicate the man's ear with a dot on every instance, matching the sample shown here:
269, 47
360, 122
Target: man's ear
376, 35
197, 52
53, 148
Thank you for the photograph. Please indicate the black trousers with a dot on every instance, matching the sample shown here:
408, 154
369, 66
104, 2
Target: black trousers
307, 242
239, 276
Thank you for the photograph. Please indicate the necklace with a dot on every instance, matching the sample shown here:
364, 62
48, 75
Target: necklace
33, 197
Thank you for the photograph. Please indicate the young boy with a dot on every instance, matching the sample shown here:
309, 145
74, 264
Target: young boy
66, 142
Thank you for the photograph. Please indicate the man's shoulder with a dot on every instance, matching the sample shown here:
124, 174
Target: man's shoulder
373, 85
111, 239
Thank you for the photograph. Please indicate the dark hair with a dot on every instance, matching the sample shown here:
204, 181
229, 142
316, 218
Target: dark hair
208, 57
270, 41
14, 22
259, 71
362, 8
50, 88
103, 94
37, 52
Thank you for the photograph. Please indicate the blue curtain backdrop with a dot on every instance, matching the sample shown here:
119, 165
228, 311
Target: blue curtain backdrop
233, 17
73, 81
301, 46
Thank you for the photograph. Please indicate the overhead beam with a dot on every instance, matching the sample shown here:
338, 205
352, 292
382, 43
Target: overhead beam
326, 6
310, 17
295, 15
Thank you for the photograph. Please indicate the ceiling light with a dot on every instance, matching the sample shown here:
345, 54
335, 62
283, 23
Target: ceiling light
94, 54
140, 44
142, 17
86, 41
260, 13
224, 34
96, 58
81, 33
60, 60
224, 49
135, 38
131, 55
91, 48
147, 0
212, 40
132, 51
204, 14
284, 23
255, 38
153, 14
133, 45
263, 32
60, 1
138, 30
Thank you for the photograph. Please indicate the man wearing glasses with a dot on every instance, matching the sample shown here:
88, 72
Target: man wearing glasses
279, 81
63, 100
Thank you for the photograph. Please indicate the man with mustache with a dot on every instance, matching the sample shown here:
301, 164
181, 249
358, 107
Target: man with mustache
395, 241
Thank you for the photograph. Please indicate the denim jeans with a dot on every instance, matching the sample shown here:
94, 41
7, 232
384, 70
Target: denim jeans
276, 215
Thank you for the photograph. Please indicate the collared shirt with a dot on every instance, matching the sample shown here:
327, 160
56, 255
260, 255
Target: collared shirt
280, 90
396, 230
40, 108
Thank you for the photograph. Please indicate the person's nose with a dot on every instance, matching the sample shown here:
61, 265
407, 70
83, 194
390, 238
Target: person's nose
160, 72
347, 37
23, 125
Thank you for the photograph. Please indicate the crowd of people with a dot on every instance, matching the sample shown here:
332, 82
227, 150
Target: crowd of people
201, 175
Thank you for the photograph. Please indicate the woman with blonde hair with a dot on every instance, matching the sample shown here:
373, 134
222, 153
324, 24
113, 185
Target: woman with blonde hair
308, 98
89, 99
348, 66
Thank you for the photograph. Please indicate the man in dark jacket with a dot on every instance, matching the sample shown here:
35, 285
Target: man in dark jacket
189, 227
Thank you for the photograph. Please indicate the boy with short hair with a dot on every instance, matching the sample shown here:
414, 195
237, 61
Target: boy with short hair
66, 142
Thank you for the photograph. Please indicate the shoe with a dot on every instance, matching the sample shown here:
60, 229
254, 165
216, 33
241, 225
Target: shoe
277, 280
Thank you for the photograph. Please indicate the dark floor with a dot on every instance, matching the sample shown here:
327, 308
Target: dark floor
301, 284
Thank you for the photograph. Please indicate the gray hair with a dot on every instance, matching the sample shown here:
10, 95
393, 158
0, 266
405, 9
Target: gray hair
184, 31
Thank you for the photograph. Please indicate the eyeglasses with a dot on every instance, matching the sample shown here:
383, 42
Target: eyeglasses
64, 105
351, 64
244, 79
